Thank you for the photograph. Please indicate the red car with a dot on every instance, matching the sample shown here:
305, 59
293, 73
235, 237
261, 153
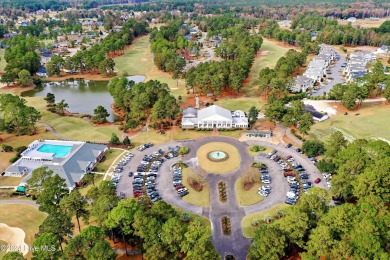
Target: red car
318, 180
138, 195
289, 174
179, 187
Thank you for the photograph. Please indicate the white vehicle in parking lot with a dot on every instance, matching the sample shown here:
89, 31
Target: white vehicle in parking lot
263, 193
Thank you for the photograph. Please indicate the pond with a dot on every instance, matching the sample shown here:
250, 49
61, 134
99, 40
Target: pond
83, 96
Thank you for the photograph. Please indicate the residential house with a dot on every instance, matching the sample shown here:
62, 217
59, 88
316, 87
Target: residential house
42, 72
317, 116
384, 49
301, 83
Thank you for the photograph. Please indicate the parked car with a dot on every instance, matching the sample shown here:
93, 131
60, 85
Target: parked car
288, 145
318, 180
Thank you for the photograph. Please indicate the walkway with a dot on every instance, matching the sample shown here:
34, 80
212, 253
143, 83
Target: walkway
51, 129
288, 133
17, 201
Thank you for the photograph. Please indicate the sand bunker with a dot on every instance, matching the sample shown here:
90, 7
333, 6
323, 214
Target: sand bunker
13, 236
322, 106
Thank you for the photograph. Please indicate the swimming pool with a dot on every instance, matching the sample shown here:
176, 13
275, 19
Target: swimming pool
58, 151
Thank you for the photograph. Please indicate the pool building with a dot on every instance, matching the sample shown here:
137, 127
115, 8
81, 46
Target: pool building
71, 160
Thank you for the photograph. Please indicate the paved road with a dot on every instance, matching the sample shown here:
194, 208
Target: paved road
336, 75
235, 244
195, 63
313, 171
25, 202
279, 187
289, 134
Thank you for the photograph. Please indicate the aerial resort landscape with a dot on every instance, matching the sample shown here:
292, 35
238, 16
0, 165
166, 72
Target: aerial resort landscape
194, 130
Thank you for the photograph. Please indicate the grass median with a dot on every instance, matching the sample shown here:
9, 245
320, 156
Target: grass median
199, 198
246, 188
248, 229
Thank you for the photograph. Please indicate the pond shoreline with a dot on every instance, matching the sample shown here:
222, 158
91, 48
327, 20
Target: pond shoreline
82, 95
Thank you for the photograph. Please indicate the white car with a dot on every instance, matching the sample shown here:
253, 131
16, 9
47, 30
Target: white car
263, 193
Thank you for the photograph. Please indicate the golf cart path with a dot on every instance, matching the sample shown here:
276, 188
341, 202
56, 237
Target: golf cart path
16, 201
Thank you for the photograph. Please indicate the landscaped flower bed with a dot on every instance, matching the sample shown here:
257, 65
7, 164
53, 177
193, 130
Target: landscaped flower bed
222, 191
226, 227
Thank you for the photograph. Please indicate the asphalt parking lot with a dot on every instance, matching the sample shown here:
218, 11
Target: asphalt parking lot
336, 76
303, 160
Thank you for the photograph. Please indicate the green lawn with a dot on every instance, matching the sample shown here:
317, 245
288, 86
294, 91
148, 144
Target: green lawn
72, 127
235, 133
98, 179
110, 156
22, 216
151, 136
242, 103
371, 123
230, 164
270, 53
248, 197
247, 221
180, 134
205, 221
138, 61
10, 181
199, 198
3, 63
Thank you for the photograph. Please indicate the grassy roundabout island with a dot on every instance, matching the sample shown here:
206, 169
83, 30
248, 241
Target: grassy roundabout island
227, 165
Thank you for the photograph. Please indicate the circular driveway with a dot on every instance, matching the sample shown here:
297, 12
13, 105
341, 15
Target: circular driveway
235, 244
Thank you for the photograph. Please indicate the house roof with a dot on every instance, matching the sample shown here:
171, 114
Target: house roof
259, 132
190, 112
302, 80
240, 120
214, 113
16, 169
314, 112
73, 168
42, 70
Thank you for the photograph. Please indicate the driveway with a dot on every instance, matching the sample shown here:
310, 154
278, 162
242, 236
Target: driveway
336, 75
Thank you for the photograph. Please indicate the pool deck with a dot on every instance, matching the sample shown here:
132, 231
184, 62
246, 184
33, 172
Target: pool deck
33, 153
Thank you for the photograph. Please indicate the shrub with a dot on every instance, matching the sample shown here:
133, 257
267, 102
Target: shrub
184, 150
256, 165
20, 149
185, 217
257, 148
7, 148
14, 158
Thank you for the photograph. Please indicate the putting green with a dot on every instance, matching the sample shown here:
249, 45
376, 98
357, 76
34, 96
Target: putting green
226, 166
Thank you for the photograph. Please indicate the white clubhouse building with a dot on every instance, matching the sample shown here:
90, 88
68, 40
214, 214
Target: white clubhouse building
213, 117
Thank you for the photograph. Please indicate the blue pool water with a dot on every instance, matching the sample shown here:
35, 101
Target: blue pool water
58, 151
218, 155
